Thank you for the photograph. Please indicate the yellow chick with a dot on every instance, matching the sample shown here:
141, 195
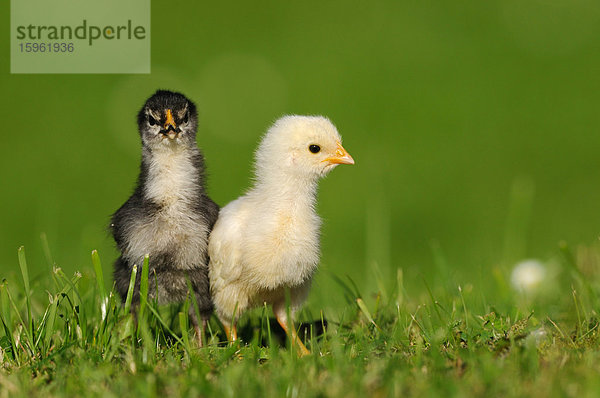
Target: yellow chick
267, 240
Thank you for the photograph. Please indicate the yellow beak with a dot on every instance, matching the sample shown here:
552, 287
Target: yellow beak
170, 120
341, 156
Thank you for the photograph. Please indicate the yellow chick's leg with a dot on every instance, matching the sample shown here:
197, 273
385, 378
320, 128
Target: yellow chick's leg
230, 331
282, 319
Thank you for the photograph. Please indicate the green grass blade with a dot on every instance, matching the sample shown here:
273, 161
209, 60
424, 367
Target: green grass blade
322, 319
5, 322
380, 280
28, 335
46, 247
462, 299
434, 302
290, 322
71, 285
363, 308
269, 335
183, 325
164, 325
130, 289
25, 274
100, 282
192, 297
143, 289
49, 329
400, 293
4, 303
349, 294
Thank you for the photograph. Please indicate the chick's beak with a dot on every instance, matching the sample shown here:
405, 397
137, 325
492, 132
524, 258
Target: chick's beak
170, 126
341, 156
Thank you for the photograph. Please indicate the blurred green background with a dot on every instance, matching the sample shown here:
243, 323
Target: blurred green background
474, 127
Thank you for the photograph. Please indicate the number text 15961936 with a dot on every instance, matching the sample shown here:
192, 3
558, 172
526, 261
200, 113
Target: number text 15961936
47, 47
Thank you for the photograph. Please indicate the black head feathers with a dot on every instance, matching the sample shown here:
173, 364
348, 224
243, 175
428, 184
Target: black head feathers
168, 115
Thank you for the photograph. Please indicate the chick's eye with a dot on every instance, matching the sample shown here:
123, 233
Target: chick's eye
151, 121
314, 148
185, 118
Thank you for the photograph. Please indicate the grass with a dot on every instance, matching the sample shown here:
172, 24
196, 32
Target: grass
66, 336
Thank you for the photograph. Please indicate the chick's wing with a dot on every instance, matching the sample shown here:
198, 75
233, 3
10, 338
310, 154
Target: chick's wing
224, 245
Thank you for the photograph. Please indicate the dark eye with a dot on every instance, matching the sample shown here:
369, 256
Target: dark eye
314, 148
151, 121
185, 118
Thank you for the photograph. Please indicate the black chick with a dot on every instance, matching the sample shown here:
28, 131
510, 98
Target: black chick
169, 216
